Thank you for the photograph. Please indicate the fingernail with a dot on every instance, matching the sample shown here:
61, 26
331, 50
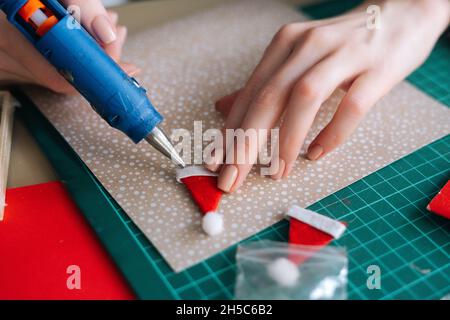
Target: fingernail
315, 152
227, 178
279, 174
103, 30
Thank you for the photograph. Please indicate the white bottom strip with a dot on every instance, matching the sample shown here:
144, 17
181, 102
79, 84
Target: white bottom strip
194, 171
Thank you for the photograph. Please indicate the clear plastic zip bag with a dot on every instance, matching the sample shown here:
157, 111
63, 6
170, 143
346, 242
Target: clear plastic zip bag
278, 270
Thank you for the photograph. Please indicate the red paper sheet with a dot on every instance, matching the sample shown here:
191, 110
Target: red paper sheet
43, 233
441, 202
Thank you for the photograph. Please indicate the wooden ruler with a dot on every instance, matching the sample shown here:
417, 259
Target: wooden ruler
7, 105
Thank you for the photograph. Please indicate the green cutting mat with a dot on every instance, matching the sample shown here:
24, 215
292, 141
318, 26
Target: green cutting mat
388, 223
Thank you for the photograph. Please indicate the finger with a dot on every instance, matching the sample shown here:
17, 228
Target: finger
8, 77
307, 96
269, 103
59, 85
41, 71
366, 90
130, 69
113, 17
95, 19
114, 49
12, 72
8, 64
265, 108
224, 104
37, 68
345, 86
275, 54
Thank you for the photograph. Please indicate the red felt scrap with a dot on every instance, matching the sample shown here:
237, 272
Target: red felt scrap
204, 191
441, 202
301, 233
42, 234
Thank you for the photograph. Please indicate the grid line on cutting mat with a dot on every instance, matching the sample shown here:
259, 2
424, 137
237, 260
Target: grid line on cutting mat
433, 78
219, 271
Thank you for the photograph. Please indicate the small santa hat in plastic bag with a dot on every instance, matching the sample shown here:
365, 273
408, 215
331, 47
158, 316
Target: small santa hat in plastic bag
202, 185
306, 228
266, 271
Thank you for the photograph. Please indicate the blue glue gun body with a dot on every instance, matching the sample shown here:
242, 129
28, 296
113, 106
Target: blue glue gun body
115, 96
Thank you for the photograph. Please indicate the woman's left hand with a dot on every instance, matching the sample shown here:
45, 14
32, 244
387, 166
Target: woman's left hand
306, 62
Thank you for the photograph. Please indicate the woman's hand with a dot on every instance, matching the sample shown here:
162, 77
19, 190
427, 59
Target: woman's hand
20, 62
306, 62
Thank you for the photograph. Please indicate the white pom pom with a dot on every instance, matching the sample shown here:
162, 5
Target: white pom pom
284, 272
213, 223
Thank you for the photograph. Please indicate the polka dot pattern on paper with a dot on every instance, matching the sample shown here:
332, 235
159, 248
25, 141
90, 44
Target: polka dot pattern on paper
190, 63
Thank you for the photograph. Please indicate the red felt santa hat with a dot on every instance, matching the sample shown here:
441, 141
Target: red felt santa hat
307, 228
441, 202
202, 185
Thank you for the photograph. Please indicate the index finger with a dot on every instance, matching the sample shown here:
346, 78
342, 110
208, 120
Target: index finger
95, 19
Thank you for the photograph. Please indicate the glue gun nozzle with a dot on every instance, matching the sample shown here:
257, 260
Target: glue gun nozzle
159, 140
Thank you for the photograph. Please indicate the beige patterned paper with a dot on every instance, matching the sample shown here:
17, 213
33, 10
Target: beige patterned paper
187, 65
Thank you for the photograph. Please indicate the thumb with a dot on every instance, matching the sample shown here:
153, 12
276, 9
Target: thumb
94, 18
